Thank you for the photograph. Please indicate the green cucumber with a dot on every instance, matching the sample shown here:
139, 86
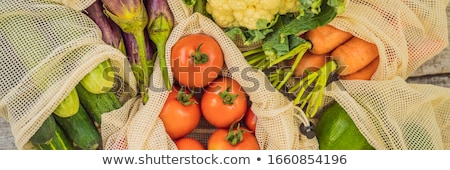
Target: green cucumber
45, 133
59, 142
69, 106
97, 104
81, 129
100, 79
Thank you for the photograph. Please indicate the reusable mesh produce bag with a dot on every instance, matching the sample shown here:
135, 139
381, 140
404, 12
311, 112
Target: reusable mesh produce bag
47, 48
278, 120
388, 111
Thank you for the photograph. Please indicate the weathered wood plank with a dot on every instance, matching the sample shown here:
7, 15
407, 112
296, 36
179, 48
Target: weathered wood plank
439, 64
6, 137
437, 79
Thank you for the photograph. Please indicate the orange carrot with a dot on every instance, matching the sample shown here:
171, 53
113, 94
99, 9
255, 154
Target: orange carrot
365, 73
354, 55
326, 38
310, 62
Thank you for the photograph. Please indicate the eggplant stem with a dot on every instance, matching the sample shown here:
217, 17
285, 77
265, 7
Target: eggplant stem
140, 40
163, 66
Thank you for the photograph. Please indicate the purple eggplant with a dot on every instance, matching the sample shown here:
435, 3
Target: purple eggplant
131, 16
111, 32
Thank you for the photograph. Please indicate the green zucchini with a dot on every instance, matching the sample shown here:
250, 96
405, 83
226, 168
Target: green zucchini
81, 129
59, 142
45, 133
97, 104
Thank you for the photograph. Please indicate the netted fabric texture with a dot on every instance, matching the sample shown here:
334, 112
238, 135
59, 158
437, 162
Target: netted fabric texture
46, 49
389, 112
144, 130
77, 5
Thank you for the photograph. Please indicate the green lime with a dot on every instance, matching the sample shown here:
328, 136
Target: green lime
337, 131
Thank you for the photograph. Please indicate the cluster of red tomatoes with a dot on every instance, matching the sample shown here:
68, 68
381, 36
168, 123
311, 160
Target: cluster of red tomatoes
197, 61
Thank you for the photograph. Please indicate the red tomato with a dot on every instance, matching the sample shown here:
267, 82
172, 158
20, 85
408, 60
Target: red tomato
250, 120
189, 144
223, 102
196, 60
180, 113
218, 140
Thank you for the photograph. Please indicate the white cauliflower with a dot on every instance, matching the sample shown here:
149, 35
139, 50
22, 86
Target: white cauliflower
246, 13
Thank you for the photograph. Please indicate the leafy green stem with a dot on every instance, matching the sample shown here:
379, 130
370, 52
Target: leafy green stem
291, 70
251, 52
315, 96
302, 48
255, 58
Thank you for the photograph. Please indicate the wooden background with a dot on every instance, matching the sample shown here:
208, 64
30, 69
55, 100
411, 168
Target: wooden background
435, 71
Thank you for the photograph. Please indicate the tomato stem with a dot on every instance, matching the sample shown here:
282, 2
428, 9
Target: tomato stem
227, 97
199, 57
185, 98
235, 136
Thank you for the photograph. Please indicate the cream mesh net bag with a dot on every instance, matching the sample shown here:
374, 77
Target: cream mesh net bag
389, 112
47, 47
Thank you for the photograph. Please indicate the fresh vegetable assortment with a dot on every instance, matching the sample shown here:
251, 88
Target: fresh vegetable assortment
76, 122
298, 36
197, 61
291, 41
140, 29
297, 46
301, 39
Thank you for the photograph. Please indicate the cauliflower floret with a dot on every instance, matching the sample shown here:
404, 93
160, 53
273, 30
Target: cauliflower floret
217, 9
270, 4
249, 17
238, 4
289, 6
246, 13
